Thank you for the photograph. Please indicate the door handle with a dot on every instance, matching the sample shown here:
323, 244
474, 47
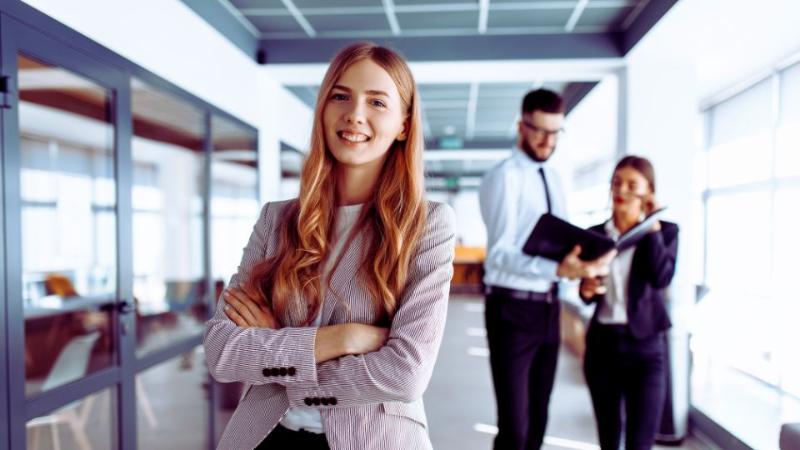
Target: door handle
121, 307
124, 307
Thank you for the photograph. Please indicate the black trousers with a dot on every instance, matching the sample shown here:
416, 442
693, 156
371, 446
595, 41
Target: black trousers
283, 438
524, 337
627, 383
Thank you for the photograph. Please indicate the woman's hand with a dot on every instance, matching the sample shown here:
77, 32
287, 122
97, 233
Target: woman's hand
247, 310
335, 341
360, 338
649, 204
592, 286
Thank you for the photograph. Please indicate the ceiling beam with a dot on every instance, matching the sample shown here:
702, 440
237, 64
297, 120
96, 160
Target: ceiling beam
474, 146
575, 16
229, 22
575, 92
472, 111
434, 7
628, 21
298, 16
454, 48
388, 7
489, 71
642, 22
483, 16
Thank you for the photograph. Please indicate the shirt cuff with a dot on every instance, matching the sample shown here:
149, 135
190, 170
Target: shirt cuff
549, 268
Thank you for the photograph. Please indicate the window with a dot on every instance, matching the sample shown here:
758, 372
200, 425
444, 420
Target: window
751, 241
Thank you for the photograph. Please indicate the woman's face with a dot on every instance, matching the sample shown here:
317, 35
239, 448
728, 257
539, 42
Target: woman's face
363, 116
629, 191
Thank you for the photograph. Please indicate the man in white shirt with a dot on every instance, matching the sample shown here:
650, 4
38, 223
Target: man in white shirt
522, 307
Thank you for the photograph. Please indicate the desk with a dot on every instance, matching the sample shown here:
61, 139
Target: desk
53, 305
468, 270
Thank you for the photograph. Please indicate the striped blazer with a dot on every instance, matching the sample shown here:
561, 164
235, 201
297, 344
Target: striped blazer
370, 401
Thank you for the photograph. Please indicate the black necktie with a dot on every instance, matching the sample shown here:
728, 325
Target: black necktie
546, 189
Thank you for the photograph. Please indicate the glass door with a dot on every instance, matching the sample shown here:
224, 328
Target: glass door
68, 303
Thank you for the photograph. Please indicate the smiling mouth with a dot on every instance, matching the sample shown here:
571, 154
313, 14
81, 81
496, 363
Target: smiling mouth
353, 137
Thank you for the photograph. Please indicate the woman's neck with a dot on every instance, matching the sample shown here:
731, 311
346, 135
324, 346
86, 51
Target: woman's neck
624, 221
355, 185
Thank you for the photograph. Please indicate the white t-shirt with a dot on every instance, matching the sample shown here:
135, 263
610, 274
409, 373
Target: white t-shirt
306, 417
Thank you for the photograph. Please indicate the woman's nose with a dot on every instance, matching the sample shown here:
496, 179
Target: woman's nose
355, 114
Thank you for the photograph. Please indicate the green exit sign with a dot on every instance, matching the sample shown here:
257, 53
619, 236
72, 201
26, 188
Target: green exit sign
451, 142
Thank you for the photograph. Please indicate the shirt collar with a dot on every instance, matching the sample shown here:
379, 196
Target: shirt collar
612, 230
520, 155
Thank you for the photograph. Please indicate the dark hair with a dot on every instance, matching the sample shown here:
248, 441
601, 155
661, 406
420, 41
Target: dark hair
641, 165
542, 100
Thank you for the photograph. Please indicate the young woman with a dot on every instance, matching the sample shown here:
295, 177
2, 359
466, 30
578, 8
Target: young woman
625, 346
335, 316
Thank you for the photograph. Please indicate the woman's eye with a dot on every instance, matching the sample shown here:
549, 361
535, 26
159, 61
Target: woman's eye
338, 96
379, 103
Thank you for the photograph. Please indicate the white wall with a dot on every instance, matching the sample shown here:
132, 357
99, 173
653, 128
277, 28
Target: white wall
591, 145
286, 119
169, 39
662, 123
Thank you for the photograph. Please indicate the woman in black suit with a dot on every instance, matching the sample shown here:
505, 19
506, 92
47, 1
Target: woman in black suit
626, 354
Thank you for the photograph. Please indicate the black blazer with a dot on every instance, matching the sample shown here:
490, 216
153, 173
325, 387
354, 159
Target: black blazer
652, 268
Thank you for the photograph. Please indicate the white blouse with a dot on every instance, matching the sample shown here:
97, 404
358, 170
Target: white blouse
614, 308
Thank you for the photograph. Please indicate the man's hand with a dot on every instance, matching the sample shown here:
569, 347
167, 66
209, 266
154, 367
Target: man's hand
247, 310
573, 267
591, 287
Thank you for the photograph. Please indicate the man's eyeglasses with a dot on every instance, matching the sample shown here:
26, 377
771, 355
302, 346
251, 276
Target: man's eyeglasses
543, 131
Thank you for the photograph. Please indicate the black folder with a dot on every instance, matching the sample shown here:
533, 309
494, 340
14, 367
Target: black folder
554, 238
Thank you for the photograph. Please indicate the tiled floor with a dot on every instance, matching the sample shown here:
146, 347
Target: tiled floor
460, 402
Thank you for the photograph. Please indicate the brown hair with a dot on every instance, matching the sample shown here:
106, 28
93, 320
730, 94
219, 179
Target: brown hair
542, 100
290, 281
641, 165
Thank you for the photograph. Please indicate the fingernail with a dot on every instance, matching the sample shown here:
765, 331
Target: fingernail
227, 307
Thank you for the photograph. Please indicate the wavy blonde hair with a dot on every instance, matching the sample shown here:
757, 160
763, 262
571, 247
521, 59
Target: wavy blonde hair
290, 282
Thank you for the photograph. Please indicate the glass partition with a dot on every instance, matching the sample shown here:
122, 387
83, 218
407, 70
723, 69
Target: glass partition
234, 211
167, 197
68, 223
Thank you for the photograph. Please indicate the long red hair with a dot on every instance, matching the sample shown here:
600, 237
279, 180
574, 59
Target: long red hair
290, 281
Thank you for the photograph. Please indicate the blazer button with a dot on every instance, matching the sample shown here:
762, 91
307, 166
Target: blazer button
266, 372
275, 371
283, 371
317, 401
291, 371
325, 401
308, 401
332, 401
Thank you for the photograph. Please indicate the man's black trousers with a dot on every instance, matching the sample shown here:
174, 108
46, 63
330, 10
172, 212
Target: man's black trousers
524, 337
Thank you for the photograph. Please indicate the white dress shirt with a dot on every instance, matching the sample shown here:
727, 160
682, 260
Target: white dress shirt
512, 199
614, 308
306, 417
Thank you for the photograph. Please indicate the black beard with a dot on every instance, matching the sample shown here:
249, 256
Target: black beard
526, 147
